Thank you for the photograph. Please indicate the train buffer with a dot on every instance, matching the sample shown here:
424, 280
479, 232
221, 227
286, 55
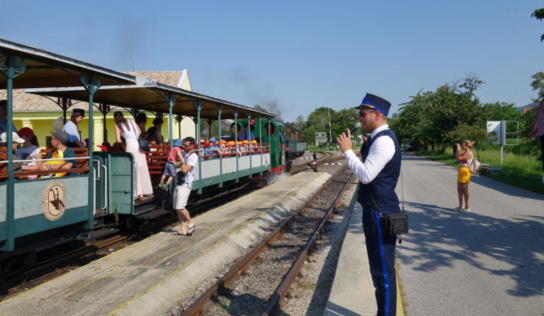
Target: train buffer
495, 170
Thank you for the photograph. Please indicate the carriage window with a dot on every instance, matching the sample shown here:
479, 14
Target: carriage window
272, 129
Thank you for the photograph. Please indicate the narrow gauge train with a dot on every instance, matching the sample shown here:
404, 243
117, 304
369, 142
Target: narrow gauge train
38, 215
295, 145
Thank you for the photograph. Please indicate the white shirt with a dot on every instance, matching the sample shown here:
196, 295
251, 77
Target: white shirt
381, 152
129, 136
71, 129
191, 160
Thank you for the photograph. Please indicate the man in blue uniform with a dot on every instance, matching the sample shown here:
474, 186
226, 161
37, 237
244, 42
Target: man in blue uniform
246, 134
378, 173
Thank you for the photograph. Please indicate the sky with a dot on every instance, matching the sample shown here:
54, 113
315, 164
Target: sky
292, 57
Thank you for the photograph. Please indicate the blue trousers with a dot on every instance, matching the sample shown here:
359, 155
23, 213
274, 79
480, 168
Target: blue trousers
381, 258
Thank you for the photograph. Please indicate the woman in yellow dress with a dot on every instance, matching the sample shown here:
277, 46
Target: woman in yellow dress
463, 176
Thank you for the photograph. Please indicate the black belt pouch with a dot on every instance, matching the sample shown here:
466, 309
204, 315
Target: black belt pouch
395, 224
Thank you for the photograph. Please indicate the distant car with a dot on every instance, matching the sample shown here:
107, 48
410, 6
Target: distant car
412, 146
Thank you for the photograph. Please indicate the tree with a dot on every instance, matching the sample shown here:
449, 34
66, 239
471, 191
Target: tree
260, 108
299, 122
539, 14
443, 116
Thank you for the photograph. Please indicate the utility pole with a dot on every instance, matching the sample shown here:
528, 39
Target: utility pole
330, 129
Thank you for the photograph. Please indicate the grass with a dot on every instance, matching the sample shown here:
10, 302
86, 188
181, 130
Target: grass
520, 171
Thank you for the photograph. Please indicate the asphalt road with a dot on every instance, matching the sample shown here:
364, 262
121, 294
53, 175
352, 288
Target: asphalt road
488, 262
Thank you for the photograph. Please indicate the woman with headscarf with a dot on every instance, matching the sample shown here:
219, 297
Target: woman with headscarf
129, 131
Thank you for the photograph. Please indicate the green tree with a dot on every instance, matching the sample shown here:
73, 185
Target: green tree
443, 116
299, 122
260, 108
539, 14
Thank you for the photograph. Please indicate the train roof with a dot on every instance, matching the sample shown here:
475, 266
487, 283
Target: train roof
41, 68
150, 95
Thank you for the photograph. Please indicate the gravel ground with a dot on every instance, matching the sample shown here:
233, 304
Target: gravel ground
310, 293
249, 295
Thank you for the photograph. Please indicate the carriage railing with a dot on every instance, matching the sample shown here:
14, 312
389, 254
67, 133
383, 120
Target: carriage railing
157, 157
81, 160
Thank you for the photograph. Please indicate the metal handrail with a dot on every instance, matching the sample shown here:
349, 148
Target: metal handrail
48, 159
105, 186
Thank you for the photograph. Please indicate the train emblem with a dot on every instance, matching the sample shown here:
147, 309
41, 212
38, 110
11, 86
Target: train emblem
54, 200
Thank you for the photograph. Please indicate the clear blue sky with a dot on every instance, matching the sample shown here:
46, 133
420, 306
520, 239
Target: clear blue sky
299, 55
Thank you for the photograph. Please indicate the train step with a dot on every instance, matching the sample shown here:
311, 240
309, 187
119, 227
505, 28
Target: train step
95, 234
153, 214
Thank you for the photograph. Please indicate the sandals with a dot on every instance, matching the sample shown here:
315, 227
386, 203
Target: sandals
177, 233
191, 230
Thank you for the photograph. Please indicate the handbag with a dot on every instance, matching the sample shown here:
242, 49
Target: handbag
393, 224
181, 175
142, 142
475, 165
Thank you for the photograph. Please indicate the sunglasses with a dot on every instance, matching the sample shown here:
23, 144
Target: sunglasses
364, 113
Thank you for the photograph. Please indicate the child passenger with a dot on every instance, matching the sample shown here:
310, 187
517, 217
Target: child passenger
174, 160
30, 151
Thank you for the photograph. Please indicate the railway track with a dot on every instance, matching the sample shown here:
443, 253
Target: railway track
326, 158
245, 288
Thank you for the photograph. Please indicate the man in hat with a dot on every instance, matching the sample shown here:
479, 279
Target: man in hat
246, 134
4, 117
70, 128
378, 173
61, 154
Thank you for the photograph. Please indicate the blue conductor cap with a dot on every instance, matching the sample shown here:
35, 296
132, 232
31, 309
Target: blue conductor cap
375, 102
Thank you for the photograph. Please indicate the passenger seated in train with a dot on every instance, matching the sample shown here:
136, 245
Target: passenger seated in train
16, 141
30, 151
61, 153
246, 134
212, 150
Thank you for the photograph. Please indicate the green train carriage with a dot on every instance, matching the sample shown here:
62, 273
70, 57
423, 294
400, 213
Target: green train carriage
269, 132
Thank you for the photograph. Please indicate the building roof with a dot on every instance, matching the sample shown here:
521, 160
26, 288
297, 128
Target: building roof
27, 102
41, 68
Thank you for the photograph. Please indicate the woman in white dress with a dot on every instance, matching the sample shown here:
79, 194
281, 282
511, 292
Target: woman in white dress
130, 132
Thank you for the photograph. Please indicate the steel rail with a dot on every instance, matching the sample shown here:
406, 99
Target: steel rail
285, 286
321, 161
204, 302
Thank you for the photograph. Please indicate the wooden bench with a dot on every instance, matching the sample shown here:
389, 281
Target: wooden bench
3, 165
495, 170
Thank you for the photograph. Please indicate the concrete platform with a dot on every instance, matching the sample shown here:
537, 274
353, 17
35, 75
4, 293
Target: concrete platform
352, 293
151, 276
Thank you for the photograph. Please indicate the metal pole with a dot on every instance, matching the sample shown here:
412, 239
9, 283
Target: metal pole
10, 244
171, 101
236, 141
198, 109
91, 89
261, 142
249, 146
218, 107
330, 129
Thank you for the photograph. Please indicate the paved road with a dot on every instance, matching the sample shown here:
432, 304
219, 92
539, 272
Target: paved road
488, 262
